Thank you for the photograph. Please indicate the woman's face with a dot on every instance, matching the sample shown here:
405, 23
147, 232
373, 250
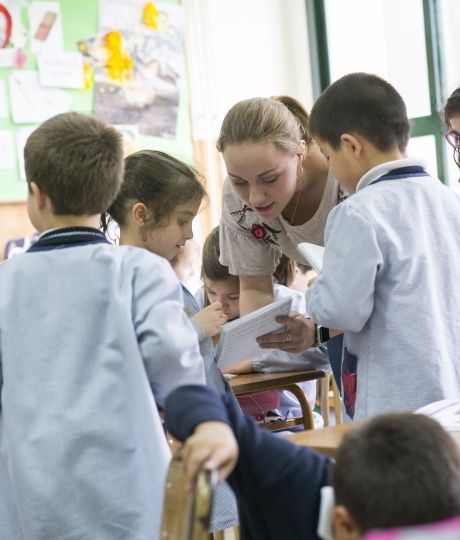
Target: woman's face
262, 176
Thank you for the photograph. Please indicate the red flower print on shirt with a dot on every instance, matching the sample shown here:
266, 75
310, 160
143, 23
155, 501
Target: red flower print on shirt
259, 231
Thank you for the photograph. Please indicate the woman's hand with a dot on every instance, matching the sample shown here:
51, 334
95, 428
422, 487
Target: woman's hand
299, 334
240, 367
212, 446
211, 319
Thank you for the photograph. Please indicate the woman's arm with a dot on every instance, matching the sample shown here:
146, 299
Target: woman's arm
255, 292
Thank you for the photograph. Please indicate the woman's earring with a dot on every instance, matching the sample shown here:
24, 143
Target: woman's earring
300, 173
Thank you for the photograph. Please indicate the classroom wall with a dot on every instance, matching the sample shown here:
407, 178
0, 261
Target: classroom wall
234, 49
79, 21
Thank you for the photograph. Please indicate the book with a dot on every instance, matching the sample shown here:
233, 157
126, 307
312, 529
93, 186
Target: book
313, 254
238, 338
445, 411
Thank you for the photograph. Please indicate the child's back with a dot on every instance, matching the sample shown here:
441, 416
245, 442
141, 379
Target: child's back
390, 274
88, 331
84, 331
407, 350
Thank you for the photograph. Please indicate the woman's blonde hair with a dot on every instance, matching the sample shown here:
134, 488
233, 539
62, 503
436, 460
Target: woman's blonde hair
280, 120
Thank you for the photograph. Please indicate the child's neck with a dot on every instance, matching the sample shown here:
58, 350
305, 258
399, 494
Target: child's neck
372, 157
129, 237
53, 221
375, 157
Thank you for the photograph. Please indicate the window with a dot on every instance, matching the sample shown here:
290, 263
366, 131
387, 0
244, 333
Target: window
400, 41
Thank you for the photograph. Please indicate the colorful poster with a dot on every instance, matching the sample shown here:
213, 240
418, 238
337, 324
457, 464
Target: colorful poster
137, 60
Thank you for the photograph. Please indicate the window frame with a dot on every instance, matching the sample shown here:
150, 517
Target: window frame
421, 126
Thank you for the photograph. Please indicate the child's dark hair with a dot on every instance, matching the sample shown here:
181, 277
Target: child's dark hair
280, 120
285, 271
363, 104
159, 181
211, 268
398, 470
451, 109
77, 161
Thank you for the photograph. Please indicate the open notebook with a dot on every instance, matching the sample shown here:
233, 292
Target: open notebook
238, 338
313, 254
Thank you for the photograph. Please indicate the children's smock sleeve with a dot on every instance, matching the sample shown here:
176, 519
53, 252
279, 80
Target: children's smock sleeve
166, 338
244, 254
276, 483
343, 294
1, 373
198, 329
275, 360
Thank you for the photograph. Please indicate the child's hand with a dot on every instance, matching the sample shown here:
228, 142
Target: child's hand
211, 447
211, 319
241, 367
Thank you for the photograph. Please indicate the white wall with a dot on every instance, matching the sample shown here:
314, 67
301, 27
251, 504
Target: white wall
237, 49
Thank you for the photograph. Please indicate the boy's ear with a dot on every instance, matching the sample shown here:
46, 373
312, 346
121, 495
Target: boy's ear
352, 143
39, 195
344, 526
140, 214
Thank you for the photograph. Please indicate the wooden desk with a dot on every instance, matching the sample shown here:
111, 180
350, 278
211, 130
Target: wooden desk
258, 382
325, 440
328, 439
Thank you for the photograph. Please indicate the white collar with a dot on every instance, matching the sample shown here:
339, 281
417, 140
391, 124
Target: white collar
385, 168
326, 511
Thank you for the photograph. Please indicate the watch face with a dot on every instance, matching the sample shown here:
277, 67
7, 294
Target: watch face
323, 334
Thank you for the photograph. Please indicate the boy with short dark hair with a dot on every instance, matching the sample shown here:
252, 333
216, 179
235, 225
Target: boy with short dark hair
392, 253
88, 350
396, 470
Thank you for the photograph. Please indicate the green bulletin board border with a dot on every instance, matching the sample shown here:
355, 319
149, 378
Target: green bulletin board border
79, 21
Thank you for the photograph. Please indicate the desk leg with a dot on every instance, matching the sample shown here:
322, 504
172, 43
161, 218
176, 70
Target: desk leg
308, 421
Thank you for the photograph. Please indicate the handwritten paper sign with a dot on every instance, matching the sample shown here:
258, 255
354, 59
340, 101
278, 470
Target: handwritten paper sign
61, 69
31, 103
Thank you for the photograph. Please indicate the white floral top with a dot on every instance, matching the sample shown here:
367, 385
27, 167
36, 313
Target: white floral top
250, 246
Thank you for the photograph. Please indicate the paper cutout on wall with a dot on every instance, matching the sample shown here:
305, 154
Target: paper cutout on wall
150, 98
61, 69
31, 103
45, 27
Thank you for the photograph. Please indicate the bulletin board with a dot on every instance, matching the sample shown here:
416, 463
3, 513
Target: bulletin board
80, 21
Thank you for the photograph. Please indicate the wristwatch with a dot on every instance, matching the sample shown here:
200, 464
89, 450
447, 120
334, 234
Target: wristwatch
322, 334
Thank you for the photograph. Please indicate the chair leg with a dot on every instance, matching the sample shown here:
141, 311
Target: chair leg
324, 397
338, 407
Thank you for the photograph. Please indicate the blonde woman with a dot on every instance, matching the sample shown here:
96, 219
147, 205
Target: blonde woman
278, 192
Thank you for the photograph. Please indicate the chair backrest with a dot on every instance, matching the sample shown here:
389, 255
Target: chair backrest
186, 514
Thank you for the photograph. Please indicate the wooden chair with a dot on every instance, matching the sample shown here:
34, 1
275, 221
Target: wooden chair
185, 514
330, 396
